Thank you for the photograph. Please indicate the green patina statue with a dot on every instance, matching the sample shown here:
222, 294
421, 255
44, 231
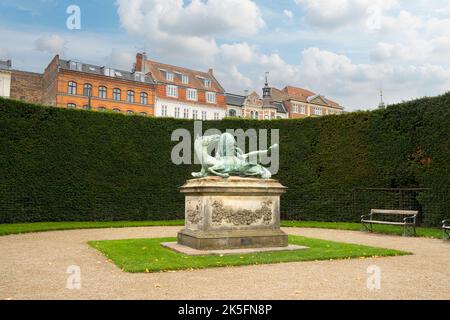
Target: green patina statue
229, 159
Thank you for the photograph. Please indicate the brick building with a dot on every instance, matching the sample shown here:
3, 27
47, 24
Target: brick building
26, 86
254, 107
302, 103
291, 102
155, 89
184, 93
76, 85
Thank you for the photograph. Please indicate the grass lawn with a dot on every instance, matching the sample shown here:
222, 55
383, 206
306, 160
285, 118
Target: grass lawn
383, 229
7, 229
147, 255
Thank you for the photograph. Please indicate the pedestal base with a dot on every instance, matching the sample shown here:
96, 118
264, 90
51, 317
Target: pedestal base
233, 239
234, 213
176, 247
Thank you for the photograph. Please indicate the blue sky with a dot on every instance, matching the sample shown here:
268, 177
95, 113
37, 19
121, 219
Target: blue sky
344, 49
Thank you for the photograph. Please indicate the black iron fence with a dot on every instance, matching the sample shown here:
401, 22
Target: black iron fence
297, 204
349, 205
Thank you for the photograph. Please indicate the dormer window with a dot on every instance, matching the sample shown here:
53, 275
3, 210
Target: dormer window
77, 66
169, 76
207, 83
138, 76
184, 79
109, 72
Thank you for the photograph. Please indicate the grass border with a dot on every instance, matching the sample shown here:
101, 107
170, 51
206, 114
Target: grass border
21, 228
148, 256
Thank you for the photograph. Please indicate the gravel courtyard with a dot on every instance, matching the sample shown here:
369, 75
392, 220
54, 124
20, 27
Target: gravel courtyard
34, 266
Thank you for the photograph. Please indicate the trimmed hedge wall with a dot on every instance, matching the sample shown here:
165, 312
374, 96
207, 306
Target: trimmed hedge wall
70, 165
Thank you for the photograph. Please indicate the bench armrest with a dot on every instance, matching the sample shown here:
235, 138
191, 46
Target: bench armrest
412, 218
366, 216
445, 222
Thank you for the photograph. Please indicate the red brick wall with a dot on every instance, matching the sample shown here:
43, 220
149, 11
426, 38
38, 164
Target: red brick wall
26, 86
50, 83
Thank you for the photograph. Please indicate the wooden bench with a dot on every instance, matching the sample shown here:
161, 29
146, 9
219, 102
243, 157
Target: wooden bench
446, 229
408, 223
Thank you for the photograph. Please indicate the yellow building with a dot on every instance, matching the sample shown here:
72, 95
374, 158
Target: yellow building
5, 79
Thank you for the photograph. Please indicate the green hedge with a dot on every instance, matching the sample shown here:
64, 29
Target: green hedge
69, 165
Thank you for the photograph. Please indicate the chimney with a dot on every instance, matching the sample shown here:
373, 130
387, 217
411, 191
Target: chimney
211, 71
140, 62
9, 63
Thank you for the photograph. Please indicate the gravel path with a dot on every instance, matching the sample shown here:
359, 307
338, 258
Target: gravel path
33, 266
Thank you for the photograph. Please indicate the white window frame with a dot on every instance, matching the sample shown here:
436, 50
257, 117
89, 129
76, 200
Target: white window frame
186, 113
195, 114
192, 94
302, 109
169, 76
211, 97
184, 79
208, 83
164, 111
109, 72
177, 112
318, 111
204, 115
216, 116
172, 91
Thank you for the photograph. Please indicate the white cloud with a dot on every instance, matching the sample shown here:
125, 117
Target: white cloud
288, 14
354, 84
121, 59
237, 53
3, 54
53, 44
177, 28
337, 13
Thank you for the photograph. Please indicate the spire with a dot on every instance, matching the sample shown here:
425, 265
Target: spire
382, 105
267, 92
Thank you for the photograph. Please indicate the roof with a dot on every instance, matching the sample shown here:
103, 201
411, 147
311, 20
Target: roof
305, 95
5, 64
99, 70
280, 107
238, 100
298, 93
196, 78
278, 95
235, 99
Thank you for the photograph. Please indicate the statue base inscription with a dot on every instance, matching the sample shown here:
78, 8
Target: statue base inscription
233, 213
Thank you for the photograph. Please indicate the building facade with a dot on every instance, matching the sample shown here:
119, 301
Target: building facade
155, 89
291, 102
5, 79
252, 107
184, 93
75, 85
302, 103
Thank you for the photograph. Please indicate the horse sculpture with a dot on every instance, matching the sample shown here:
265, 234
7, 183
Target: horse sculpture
229, 159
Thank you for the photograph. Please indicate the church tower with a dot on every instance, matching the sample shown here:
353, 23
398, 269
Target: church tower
267, 93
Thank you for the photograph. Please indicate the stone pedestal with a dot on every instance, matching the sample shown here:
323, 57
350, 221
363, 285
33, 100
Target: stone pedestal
234, 213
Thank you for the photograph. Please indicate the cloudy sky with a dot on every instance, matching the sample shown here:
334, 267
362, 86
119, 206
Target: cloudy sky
344, 49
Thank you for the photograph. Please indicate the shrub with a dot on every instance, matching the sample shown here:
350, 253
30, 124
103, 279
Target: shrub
68, 165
